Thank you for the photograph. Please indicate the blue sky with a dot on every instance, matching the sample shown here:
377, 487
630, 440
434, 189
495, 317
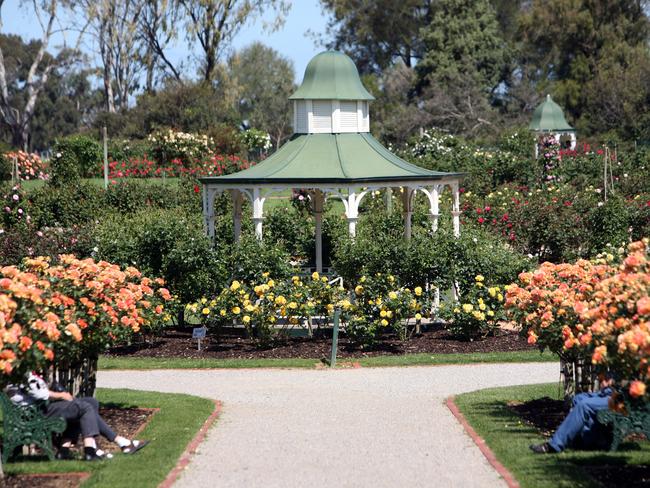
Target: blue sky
291, 40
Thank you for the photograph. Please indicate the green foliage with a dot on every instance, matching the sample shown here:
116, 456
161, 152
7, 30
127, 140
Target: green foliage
250, 258
66, 205
75, 156
127, 196
166, 243
291, 229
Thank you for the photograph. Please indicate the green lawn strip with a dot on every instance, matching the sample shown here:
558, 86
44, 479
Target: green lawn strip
33, 184
509, 438
376, 361
170, 430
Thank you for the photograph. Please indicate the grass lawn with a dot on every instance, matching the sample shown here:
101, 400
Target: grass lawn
170, 430
378, 361
509, 439
33, 184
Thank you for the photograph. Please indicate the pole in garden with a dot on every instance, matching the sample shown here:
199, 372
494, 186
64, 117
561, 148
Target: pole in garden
15, 175
335, 337
105, 157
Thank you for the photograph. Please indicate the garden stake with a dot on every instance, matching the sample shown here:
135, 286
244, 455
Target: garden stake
105, 157
335, 337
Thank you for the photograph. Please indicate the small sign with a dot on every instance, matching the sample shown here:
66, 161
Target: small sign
198, 332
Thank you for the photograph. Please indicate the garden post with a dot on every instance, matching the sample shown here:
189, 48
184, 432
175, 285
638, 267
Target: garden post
318, 199
455, 212
237, 202
105, 136
407, 209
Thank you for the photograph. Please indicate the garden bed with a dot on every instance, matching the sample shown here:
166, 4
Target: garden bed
232, 344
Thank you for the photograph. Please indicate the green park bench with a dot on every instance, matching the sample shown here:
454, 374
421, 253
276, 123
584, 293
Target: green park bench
24, 426
635, 421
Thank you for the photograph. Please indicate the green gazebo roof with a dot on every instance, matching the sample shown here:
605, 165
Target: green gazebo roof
331, 75
548, 117
316, 159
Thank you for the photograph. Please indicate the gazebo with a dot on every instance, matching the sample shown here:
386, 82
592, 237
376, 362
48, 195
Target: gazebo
331, 154
548, 119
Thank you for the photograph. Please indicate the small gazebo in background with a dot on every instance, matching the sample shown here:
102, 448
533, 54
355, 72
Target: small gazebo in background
548, 120
331, 154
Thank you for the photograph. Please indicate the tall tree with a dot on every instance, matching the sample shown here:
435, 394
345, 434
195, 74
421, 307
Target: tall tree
115, 29
377, 32
564, 42
265, 80
158, 26
465, 58
20, 91
214, 23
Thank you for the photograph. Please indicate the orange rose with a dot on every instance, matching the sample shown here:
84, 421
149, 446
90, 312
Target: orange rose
637, 389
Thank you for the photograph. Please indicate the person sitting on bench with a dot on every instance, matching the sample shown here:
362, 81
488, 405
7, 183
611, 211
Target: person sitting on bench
580, 428
81, 415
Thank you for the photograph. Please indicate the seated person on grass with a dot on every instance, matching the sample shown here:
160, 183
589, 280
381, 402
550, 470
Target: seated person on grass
580, 429
81, 415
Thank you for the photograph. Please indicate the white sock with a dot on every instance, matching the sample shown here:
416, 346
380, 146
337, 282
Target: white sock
122, 441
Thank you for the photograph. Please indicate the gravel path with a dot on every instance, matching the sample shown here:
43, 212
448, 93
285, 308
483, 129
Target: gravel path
374, 427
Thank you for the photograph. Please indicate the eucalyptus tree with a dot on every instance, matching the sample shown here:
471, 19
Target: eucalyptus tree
19, 92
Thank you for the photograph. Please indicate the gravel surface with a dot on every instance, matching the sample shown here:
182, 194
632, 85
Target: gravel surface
369, 427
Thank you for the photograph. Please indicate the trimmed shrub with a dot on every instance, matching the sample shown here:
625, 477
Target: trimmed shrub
76, 157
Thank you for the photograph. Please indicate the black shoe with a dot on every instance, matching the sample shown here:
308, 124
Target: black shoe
65, 453
90, 454
541, 448
134, 446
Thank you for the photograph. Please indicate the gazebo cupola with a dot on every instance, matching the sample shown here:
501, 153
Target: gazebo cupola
548, 119
331, 99
332, 154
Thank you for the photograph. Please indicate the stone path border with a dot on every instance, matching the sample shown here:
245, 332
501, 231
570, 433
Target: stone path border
481, 444
191, 448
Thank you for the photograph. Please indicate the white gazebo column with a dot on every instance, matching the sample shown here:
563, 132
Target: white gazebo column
258, 212
318, 199
351, 204
433, 195
407, 209
455, 211
237, 203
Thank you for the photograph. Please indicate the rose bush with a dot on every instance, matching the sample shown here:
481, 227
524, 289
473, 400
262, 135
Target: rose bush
597, 312
71, 309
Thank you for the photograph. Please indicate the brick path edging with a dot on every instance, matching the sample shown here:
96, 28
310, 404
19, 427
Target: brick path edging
480, 443
191, 448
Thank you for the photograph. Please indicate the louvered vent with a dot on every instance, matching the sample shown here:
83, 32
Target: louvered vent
322, 116
348, 116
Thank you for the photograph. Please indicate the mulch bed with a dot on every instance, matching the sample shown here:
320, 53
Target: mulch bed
232, 344
546, 414
124, 421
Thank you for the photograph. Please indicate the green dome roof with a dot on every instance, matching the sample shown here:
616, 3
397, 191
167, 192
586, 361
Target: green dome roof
331, 75
548, 117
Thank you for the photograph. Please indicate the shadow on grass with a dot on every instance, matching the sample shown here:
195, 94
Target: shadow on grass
491, 414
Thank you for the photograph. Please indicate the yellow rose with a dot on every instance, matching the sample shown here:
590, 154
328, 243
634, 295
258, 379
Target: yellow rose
315, 276
222, 312
389, 314
492, 291
204, 300
205, 311
270, 283
384, 322
480, 278
236, 310
246, 319
250, 308
265, 274
293, 305
418, 316
330, 307
382, 313
280, 300
500, 297
467, 307
392, 295
235, 285
482, 306
378, 301
358, 289
490, 313
418, 290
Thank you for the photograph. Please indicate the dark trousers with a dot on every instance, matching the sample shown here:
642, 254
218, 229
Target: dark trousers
82, 416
